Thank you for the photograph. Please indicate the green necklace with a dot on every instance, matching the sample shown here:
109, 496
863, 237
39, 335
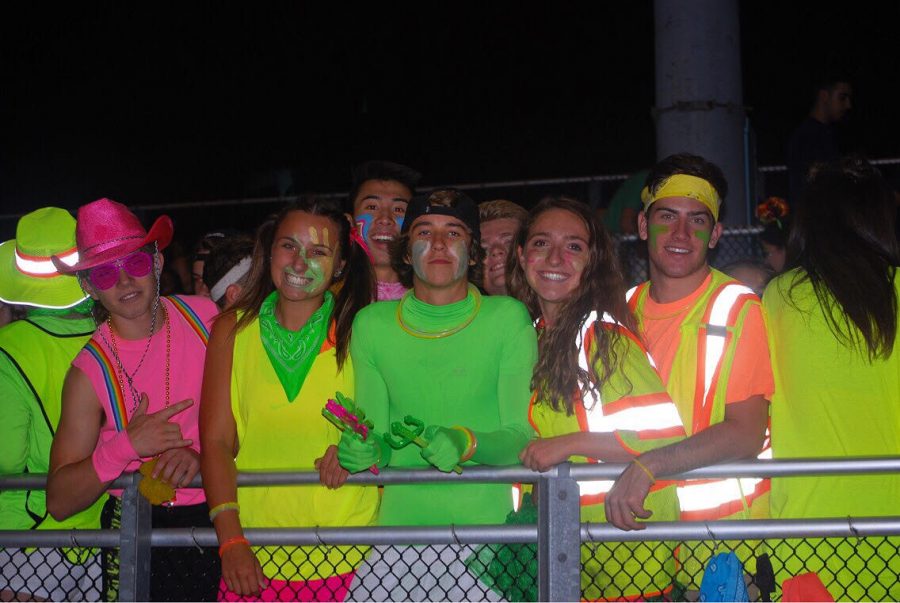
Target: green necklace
476, 295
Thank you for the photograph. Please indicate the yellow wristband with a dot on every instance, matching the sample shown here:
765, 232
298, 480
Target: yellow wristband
644, 468
225, 506
471, 443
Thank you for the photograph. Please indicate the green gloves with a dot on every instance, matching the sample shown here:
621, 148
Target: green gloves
445, 448
356, 455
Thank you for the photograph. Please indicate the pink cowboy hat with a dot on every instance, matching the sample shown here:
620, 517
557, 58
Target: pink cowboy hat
107, 231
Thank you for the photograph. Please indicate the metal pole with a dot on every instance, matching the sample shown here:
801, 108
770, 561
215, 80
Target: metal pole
134, 548
559, 537
699, 93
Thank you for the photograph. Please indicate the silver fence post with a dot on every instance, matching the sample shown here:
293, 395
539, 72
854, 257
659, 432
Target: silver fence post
134, 547
559, 537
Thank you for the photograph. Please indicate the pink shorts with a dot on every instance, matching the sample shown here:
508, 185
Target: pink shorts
333, 588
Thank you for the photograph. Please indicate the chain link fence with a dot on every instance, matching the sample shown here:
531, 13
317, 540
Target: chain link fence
556, 558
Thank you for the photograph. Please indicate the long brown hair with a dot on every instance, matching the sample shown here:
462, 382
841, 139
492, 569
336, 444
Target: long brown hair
359, 281
843, 241
557, 374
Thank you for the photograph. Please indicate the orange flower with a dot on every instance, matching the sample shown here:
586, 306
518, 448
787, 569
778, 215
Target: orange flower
772, 210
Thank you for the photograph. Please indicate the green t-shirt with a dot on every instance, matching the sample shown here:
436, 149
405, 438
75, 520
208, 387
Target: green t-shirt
477, 377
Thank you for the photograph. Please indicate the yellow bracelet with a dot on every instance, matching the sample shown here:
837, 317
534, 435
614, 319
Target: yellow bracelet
471, 443
225, 506
647, 471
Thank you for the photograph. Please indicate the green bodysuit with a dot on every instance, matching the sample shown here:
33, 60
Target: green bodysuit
477, 377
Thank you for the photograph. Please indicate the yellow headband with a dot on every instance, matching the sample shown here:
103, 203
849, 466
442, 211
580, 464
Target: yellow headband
683, 185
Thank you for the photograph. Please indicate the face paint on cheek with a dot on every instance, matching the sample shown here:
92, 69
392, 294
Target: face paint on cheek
363, 225
419, 250
655, 231
316, 271
459, 251
703, 235
399, 222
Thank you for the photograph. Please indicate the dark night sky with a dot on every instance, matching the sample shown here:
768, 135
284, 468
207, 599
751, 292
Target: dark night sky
187, 103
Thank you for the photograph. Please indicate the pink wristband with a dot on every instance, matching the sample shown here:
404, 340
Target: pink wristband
112, 456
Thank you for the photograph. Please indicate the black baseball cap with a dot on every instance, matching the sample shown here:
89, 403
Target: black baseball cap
462, 208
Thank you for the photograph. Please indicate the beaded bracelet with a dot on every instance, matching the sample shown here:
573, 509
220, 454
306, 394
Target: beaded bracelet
647, 471
471, 443
225, 506
231, 542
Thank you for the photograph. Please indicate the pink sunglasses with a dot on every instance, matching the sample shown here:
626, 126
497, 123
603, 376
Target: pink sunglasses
104, 276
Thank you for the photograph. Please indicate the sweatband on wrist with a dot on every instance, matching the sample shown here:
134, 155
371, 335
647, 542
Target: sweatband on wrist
112, 457
225, 506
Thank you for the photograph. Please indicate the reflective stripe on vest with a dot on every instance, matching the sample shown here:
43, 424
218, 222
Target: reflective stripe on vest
659, 415
715, 499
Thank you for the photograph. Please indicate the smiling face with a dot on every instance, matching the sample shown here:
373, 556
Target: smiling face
496, 240
378, 211
305, 256
679, 232
439, 254
555, 255
129, 297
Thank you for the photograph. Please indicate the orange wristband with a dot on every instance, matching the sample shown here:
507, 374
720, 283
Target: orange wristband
231, 542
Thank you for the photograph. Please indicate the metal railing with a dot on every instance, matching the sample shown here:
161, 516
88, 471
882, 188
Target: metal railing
558, 534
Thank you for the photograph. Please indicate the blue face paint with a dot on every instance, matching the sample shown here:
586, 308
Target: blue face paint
399, 222
363, 225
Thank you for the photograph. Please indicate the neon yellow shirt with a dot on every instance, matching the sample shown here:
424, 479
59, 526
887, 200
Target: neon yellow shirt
830, 401
277, 435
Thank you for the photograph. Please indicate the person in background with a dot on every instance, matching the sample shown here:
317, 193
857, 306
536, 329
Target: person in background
226, 269
752, 272
832, 321
130, 399
378, 198
35, 354
274, 361
500, 219
814, 140
567, 274
620, 217
199, 256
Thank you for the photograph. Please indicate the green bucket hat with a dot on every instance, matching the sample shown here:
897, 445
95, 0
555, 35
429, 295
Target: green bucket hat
27, 275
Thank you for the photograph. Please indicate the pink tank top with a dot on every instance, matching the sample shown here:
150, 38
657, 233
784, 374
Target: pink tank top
190, 318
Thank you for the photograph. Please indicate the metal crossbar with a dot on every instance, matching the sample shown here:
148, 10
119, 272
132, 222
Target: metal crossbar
550, 548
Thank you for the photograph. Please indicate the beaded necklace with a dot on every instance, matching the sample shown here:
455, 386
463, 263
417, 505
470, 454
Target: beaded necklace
111, 344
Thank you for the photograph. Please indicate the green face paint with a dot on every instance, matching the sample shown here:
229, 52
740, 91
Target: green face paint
655, 231
316, 267
703, 235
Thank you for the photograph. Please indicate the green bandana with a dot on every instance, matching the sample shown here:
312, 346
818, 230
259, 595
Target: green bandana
293, 352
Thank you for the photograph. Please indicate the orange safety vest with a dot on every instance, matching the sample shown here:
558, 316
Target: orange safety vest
717, 318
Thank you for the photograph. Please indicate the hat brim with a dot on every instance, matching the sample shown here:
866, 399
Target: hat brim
160, 233
54, 292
